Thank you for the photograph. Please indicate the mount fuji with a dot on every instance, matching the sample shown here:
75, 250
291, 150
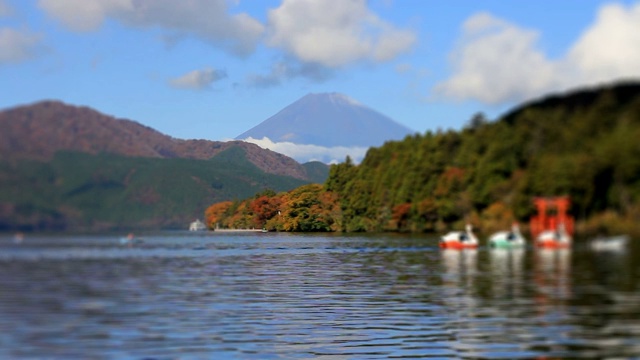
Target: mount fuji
325, 126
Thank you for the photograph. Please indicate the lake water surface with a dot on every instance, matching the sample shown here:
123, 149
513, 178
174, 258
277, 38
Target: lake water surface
180, 295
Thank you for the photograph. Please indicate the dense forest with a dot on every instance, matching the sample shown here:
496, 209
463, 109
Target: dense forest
584, 144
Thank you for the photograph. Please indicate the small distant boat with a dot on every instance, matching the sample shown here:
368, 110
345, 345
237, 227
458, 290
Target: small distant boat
197, 225
613, 243
459, 239
554, 239
130, 239
18, 238
508, 239
127, 240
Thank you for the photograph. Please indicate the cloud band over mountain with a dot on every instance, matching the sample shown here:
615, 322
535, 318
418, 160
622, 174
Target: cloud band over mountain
303, 153
325, 127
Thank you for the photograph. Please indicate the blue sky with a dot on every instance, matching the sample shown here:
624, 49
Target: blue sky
212, 69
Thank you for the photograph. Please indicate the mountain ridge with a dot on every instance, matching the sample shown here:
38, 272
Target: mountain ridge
37, 131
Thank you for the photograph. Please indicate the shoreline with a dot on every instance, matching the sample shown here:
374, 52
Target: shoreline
239, 230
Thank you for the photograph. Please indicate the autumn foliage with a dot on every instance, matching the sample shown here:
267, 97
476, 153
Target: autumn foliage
216, 212
307, 208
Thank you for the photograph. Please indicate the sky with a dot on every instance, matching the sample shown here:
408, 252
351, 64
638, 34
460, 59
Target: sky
213, 69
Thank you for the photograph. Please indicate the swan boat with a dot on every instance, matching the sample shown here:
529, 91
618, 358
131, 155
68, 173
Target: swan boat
554, 239
459, 239
507, 239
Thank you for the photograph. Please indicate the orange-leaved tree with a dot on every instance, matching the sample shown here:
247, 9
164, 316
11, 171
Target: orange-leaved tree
216, 212
264, 208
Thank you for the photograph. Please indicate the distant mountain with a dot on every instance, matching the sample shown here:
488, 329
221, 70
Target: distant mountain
328, 119
40, 130
72, 168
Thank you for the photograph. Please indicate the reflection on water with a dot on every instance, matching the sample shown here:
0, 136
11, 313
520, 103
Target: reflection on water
507, 272
273, 296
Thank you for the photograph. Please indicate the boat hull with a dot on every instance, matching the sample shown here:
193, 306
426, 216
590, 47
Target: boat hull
552, 244
506, 244
457, 245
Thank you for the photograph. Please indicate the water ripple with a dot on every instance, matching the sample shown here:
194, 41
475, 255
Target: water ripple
299, 297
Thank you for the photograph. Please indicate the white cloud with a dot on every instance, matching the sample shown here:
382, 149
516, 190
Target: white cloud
198, 79
497, 61
610, 48
81, 15
16, 46
207, 20
335, 33
306, 153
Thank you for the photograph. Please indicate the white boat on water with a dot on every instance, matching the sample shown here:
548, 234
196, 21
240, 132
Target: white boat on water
554, 239
612, 243
197, 225
508, 239
459, 239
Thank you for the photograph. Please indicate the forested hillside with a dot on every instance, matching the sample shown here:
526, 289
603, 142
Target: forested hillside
584, 144
78, 191
72, 168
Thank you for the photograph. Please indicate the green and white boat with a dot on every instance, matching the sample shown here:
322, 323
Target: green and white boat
508, 239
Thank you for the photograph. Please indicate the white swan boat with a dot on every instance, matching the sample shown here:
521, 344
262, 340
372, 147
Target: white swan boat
459, 239
554, 239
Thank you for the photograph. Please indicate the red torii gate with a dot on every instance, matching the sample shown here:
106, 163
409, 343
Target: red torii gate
551, 213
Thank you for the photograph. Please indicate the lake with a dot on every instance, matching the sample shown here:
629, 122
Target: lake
181, 295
